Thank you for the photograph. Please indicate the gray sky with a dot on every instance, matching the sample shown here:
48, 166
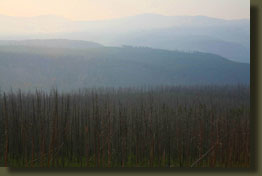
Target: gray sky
106, 9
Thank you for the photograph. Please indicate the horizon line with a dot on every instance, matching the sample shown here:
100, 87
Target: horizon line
128, 16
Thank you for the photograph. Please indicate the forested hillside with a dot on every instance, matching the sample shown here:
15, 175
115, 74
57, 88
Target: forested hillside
31, 67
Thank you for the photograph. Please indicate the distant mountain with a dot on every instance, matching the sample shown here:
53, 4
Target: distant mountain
189, 42
52, 43
228, 38
29, 67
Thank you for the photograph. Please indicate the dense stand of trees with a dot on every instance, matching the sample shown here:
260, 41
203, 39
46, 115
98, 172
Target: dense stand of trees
197, 126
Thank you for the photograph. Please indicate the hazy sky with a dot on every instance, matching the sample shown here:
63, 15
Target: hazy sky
105, 9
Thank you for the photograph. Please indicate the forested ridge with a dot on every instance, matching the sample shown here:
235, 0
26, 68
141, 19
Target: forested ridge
41, 67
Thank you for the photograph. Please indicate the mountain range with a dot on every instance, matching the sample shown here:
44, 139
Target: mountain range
69, 65
227, 38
